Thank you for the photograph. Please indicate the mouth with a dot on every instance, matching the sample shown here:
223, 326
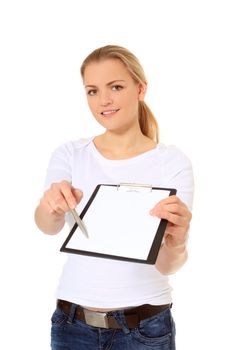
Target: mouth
109, 112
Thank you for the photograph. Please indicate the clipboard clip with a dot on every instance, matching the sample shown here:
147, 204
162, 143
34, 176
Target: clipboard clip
134, 187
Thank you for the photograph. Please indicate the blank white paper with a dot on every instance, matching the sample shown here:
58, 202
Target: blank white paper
119, 223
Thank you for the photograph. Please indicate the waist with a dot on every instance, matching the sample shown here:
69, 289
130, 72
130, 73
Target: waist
111, 284
133, 316
103, 310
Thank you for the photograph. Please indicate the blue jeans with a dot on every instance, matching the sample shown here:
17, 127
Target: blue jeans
154, 333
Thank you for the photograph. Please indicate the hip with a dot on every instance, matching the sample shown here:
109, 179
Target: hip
144, 327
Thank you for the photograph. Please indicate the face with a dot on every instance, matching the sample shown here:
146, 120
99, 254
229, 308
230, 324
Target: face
112, 94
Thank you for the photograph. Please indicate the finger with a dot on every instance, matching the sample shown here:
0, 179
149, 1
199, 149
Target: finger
175, 230
172, 208
177, 234
174, 213
58, 203
46, 206
70, 198
170, 200
50, 203
174, 218
78, 194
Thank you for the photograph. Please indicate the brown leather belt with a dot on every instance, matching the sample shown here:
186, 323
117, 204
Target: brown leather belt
105, 320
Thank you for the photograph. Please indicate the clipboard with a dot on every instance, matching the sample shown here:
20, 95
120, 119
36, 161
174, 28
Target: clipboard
119, 224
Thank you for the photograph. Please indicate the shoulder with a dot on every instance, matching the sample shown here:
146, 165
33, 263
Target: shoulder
177, 172
173, 156
70, 147
61, 161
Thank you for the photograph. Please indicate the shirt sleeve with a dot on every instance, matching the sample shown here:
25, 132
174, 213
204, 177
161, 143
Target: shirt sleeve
179, 175
60, 165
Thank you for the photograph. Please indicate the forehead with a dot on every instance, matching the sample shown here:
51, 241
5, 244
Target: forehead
97, 73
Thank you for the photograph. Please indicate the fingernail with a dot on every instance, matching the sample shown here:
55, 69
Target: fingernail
73, 205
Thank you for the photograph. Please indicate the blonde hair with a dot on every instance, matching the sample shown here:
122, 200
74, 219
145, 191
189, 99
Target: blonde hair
147, 121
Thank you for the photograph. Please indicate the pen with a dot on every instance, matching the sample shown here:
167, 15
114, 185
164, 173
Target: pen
79, 222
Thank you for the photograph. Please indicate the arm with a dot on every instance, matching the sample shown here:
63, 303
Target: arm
56, 201
173, 252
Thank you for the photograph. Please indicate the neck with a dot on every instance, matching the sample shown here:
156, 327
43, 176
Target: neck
120, 143
115, 145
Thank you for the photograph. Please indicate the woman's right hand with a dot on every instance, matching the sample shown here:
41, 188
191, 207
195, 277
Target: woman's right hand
60, 198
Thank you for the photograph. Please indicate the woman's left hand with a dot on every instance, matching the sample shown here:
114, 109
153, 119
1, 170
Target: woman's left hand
178, 216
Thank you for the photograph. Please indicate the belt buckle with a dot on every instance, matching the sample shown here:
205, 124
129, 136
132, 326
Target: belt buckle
96, 319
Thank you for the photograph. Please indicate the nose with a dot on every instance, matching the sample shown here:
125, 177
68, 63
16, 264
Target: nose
105, 98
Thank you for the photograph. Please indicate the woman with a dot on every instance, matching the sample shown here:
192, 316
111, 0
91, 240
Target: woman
130, 303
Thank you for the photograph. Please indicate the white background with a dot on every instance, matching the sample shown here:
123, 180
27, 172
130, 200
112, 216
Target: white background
186, 50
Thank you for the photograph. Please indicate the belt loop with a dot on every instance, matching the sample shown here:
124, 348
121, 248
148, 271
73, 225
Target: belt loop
120, 318
72, 313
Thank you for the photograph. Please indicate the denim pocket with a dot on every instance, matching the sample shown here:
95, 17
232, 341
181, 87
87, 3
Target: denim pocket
58, 318
156, 331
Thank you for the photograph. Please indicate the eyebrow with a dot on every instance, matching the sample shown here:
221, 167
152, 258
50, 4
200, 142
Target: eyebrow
110, 83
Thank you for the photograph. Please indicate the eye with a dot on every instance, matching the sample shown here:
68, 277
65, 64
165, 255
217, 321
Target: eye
117, 87
91, 92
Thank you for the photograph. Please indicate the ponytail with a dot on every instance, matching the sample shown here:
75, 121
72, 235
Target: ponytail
147, 122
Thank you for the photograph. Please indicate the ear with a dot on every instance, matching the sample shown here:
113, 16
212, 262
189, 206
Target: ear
142, 87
